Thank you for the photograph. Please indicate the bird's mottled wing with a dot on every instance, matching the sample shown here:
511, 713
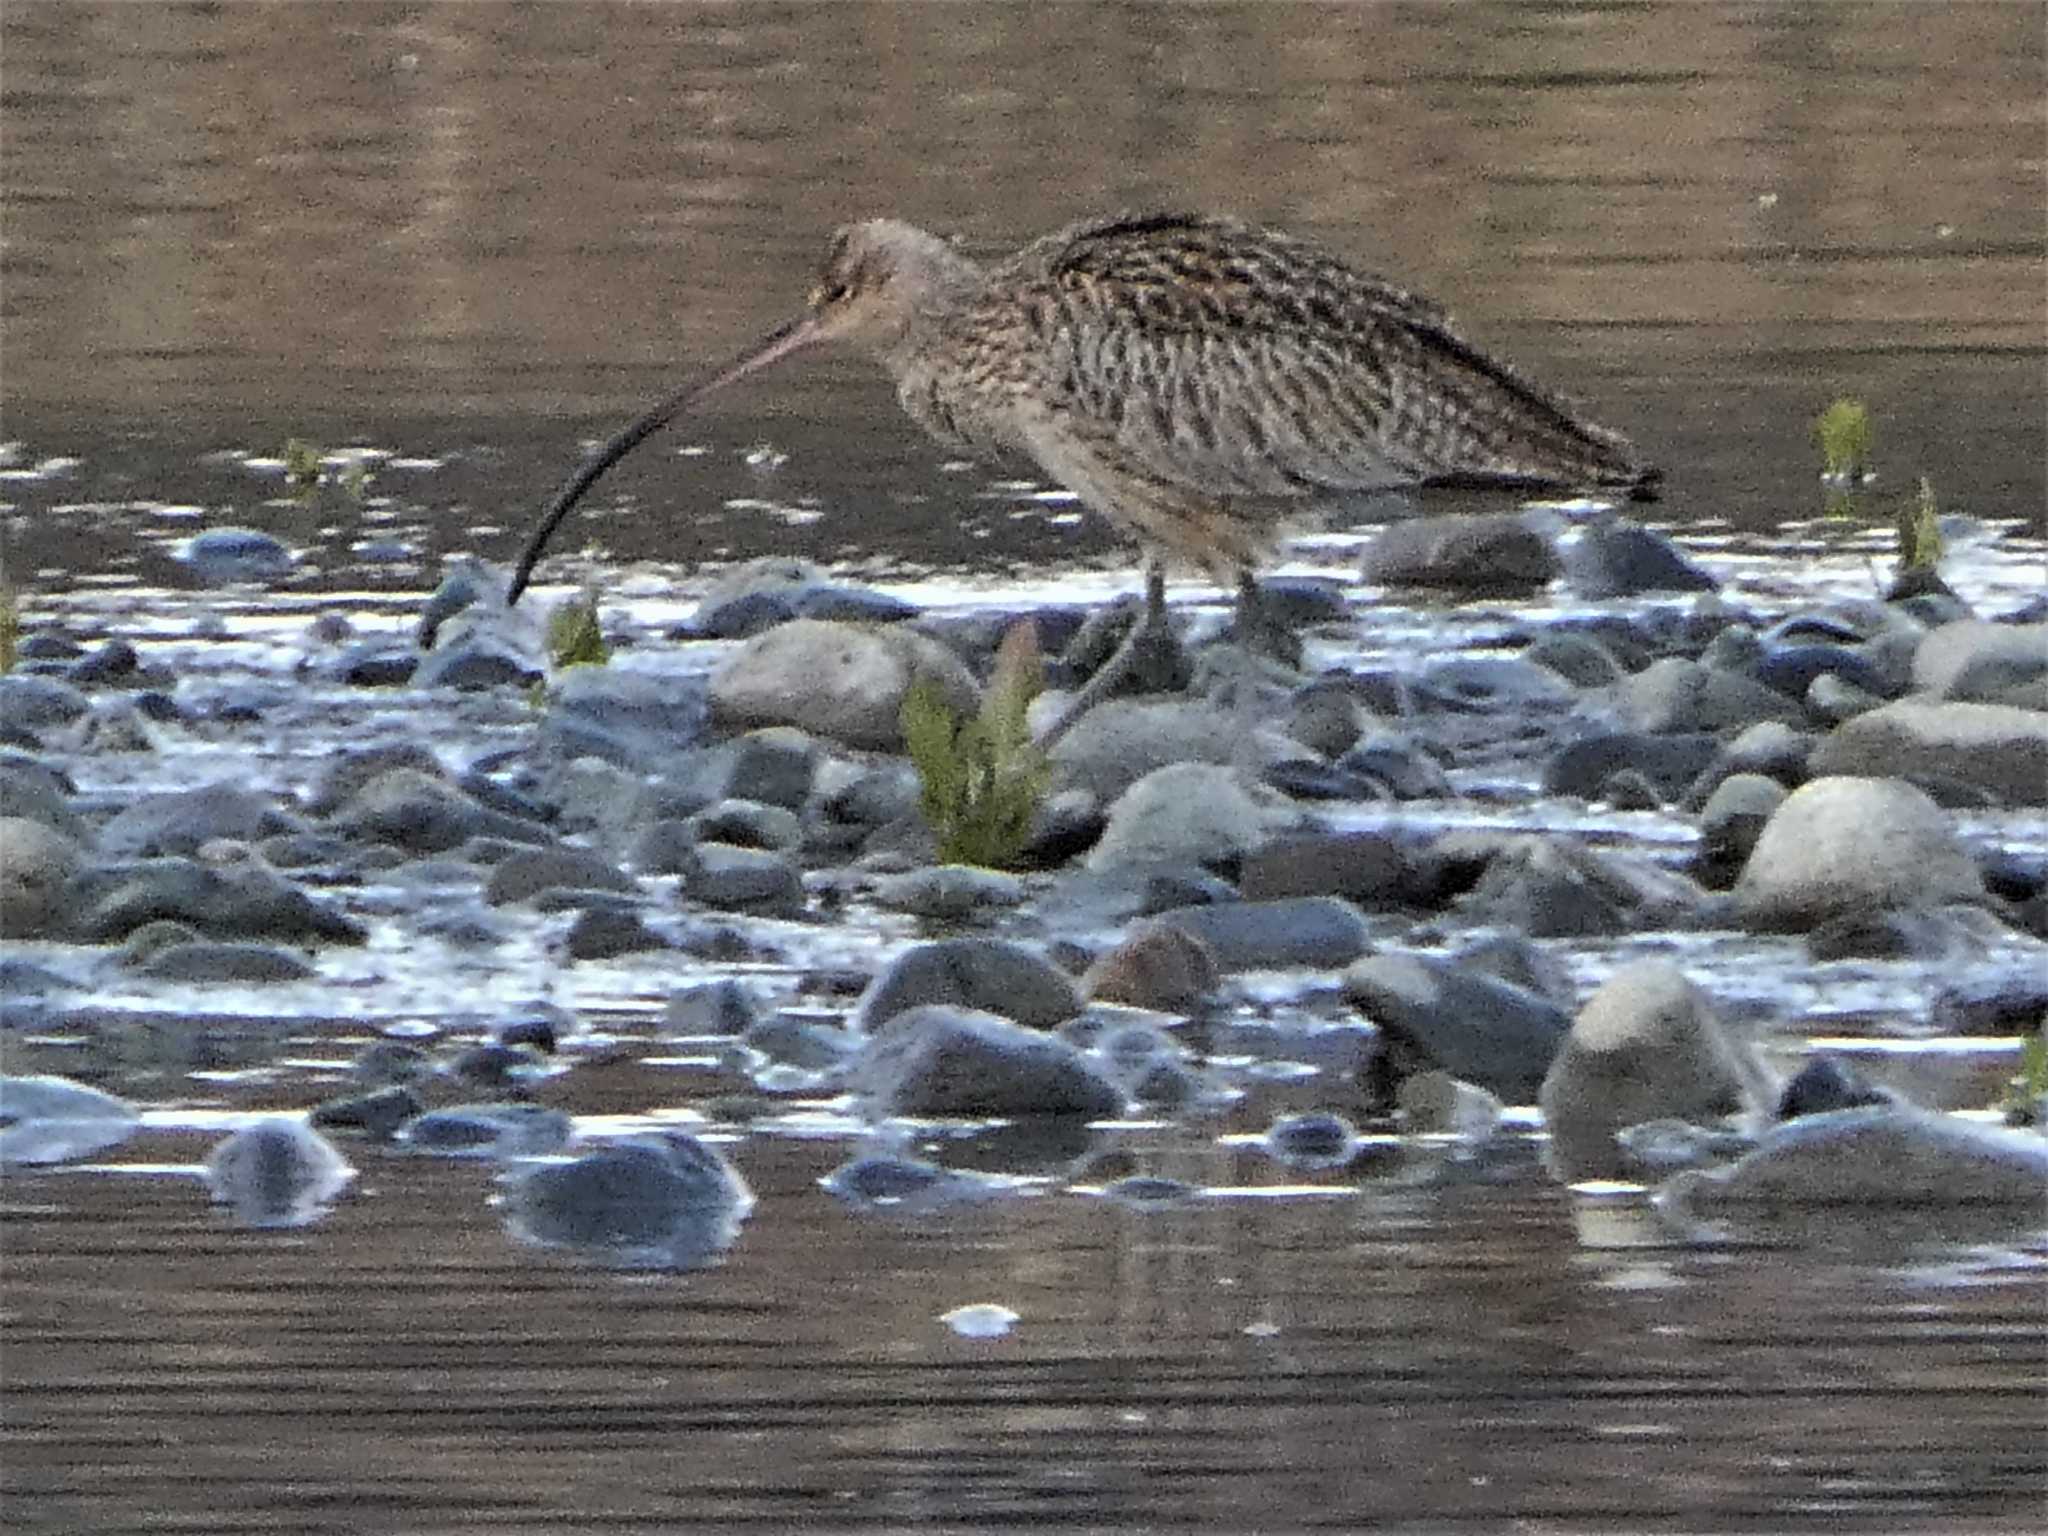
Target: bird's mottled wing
1234, 361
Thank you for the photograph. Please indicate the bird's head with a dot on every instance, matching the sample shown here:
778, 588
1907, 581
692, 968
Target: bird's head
878, 277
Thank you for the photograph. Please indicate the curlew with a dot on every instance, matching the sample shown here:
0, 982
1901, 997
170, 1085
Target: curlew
1195, 381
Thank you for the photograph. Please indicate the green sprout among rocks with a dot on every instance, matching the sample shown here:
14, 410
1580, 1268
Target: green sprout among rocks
1843, 434
575, 638
982, 776
2027, 1092
1920, 548
10, 623
302, 466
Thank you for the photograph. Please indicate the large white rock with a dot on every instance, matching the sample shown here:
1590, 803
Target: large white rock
1996, 747
1842, 846
1646, 1046
838, 680
1186, 813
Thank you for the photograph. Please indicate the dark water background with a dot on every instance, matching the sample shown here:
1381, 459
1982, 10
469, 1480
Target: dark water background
473, 234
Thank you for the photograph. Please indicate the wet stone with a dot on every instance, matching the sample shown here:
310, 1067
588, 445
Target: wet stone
1320, 932
1486, 554
277, 1173
1669, 761
1312, 1141
488, 1131
747, 824
1579, 659
1161, 966
949, 892
1613, 558
1646, 1046
1457, 1018
663, 1199
205, 962
377, 1114
1844, 846
523, 875
391, 1062
181, 821
724, 1007
743, 879
226, 556
603, 933
942, 1061
1826, 1083
1889, 1154
990, 974
30, 704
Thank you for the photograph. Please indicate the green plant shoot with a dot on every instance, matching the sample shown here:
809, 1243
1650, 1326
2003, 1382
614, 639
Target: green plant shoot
575, 638
10, 623
982, 777
1920, 546
1842, 432
302, 466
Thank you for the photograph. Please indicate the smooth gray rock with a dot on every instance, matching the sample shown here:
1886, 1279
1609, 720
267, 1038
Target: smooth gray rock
37, 864
836, 680
1612, 558
743, 879
1646, 1046
1885, 1154
662, 1199
1578, 658
604, 933
182, 821
748, 824
52, 1119
1369, 868
206, 962
1978, 661
225, 556
489, 1131
1556, 887
277, 1173
1670, 762
638, 721
1121, 741
1676, 695
525, 874
944, 1061
1841, 846
1321, 932
1474, 1026
243, 901
993, 975
726, 1007
1997, 748
1487, 554
32, 703
1187, 813
949, 892
424, 814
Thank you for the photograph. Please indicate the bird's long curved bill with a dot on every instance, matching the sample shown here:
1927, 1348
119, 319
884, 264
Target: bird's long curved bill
776, 345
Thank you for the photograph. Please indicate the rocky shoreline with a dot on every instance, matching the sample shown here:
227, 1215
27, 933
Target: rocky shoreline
1318, 865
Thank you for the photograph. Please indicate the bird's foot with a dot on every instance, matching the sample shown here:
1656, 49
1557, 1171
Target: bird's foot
1151, 659
1259, 628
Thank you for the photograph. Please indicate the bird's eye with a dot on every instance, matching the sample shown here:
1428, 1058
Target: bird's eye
833, 293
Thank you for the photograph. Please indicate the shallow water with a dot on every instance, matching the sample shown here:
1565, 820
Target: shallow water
465, 238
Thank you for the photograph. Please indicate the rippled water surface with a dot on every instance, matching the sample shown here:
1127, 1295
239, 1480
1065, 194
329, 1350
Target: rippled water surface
466, 238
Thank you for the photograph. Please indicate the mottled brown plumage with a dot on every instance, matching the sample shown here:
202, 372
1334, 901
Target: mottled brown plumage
1193, 380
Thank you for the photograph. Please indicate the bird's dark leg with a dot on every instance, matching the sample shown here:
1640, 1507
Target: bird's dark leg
1258, 628
1150, 654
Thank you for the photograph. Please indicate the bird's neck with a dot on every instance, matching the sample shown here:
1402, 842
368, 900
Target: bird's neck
945, 281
